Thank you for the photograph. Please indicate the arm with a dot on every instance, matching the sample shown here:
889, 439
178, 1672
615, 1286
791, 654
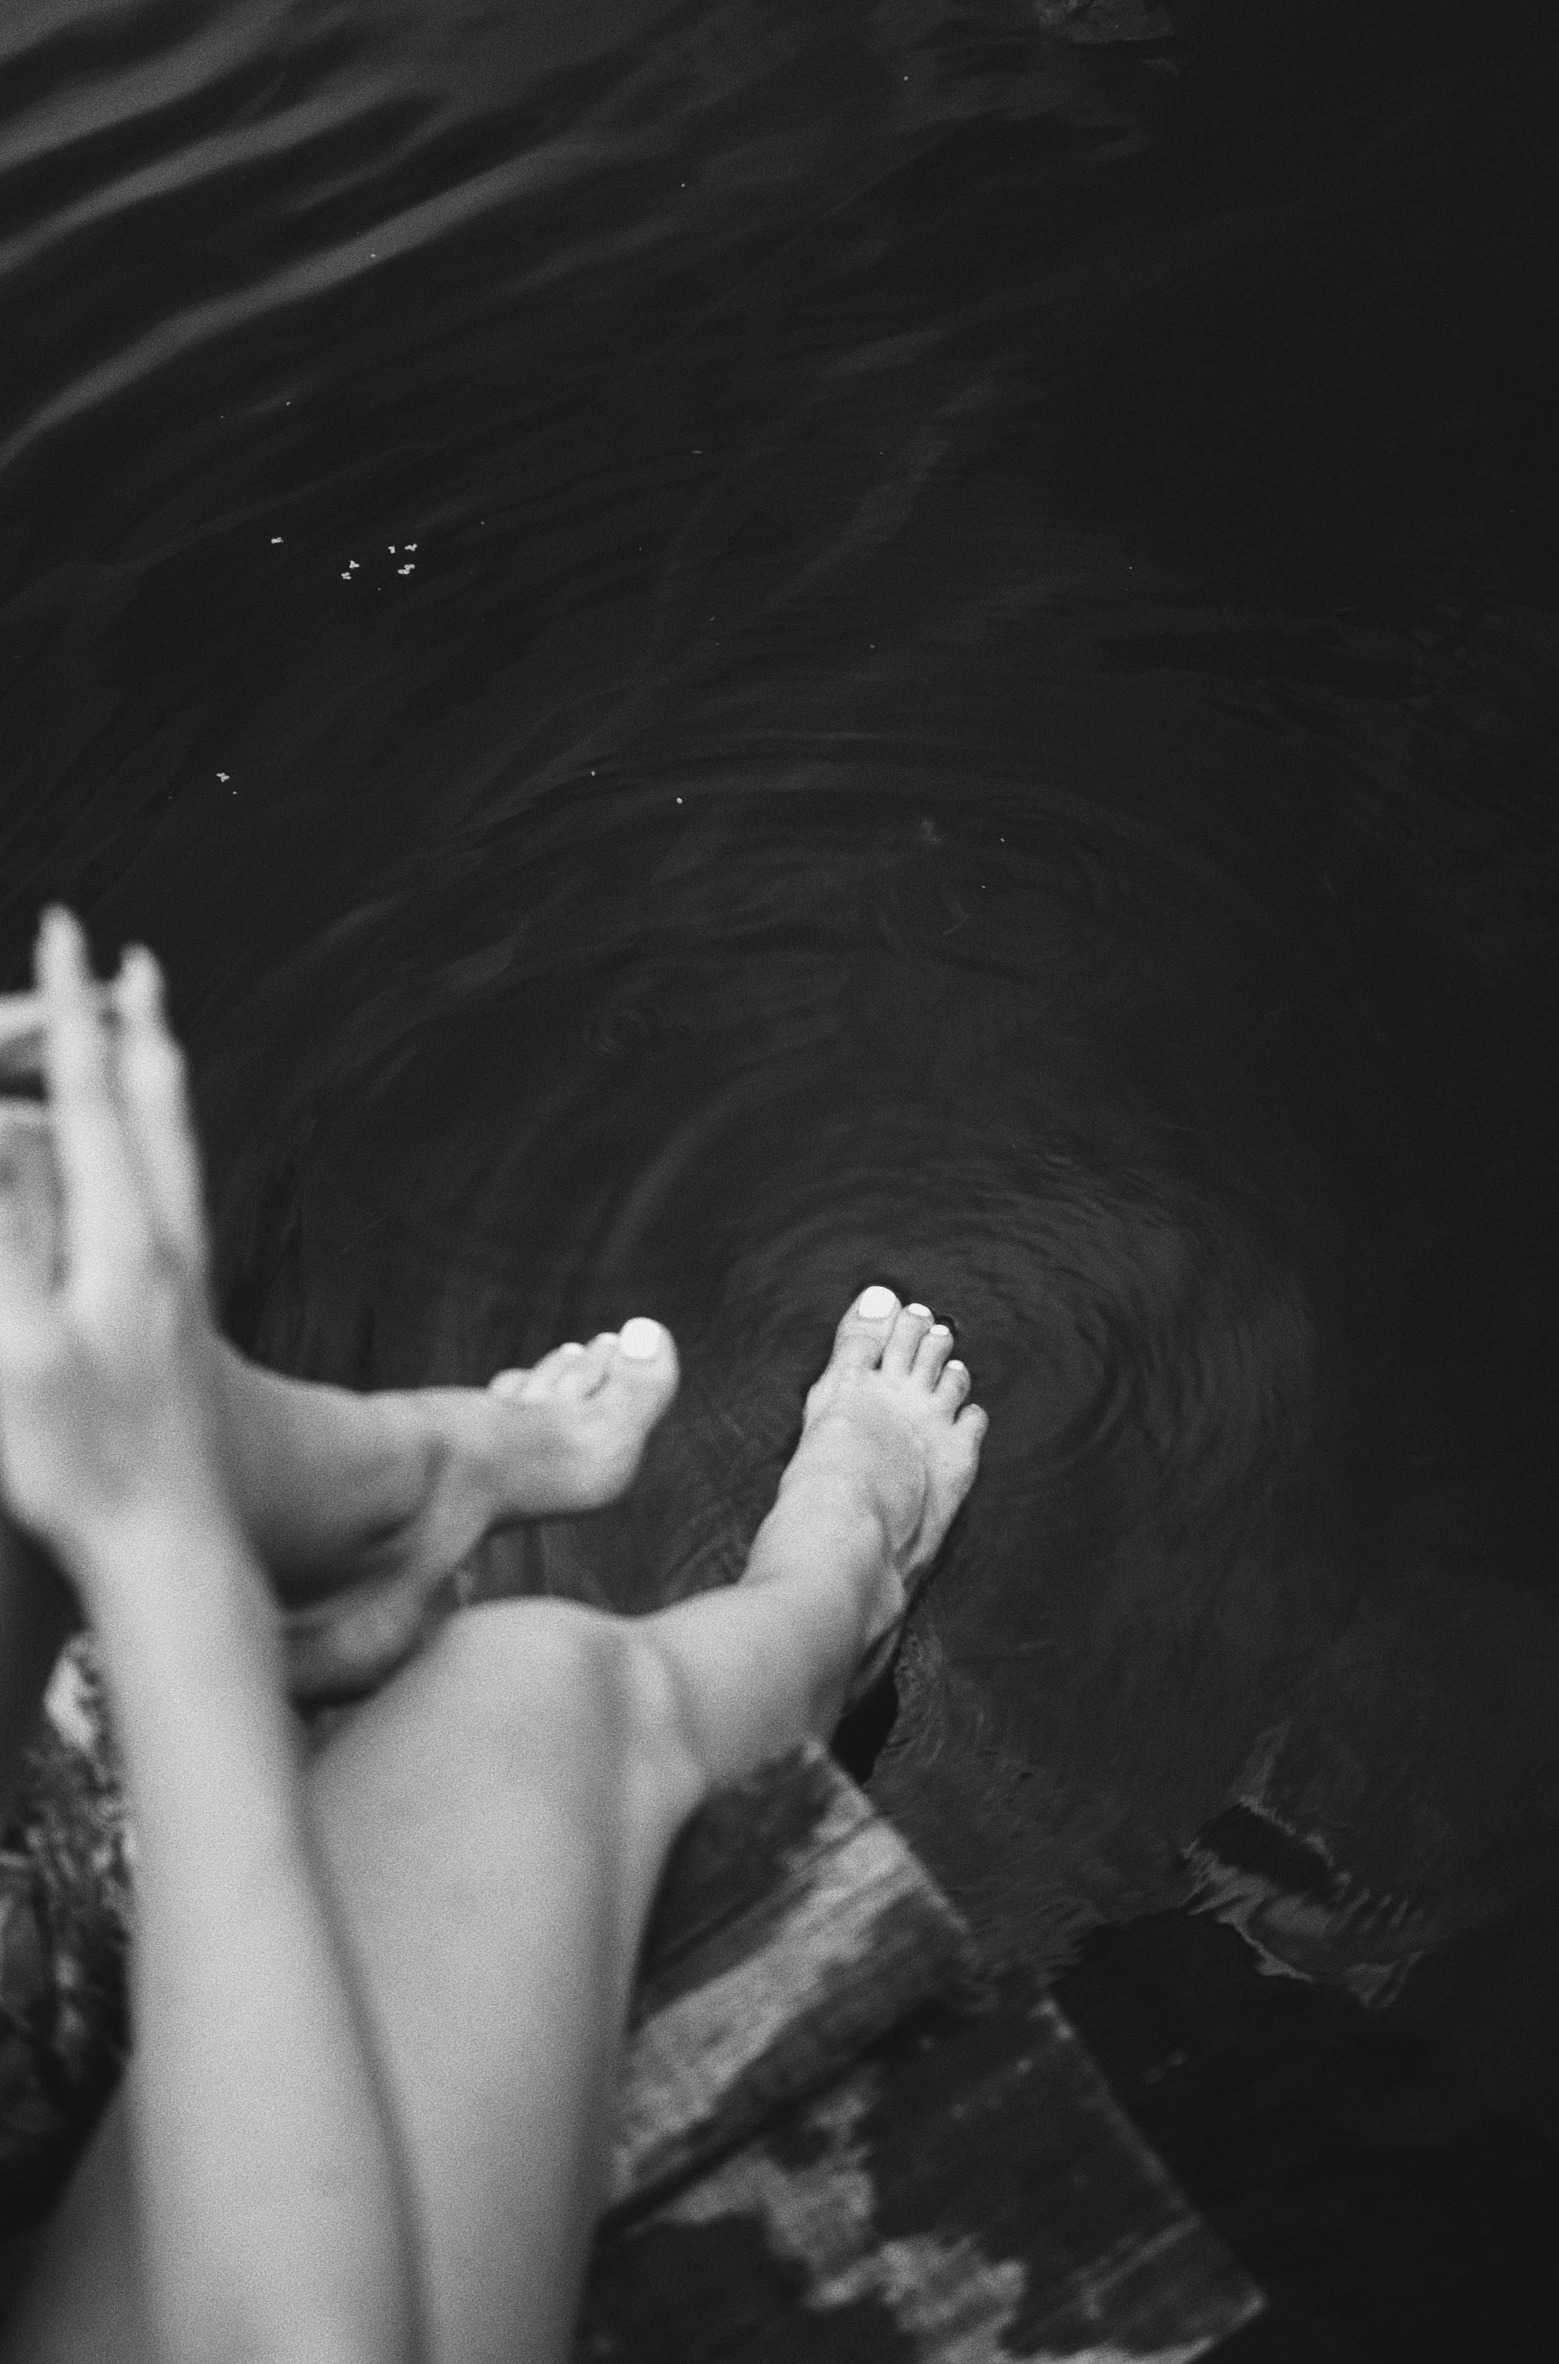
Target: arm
320, 1474
274, 2225
272, 2220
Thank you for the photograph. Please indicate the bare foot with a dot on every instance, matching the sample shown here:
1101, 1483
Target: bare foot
556, 1441
570, 1434
889, 1424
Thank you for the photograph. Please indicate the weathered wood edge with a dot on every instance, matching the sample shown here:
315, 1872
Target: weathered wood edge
969, 2192
795, 1927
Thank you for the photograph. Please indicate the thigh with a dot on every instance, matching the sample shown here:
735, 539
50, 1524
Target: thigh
493, 1825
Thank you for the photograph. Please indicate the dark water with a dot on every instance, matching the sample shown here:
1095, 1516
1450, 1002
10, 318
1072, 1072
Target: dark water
735, 648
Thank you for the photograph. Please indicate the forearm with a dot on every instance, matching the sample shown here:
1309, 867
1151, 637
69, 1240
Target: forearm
273, 2219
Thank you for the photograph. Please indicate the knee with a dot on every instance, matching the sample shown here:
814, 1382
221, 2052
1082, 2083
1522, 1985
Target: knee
575, 1689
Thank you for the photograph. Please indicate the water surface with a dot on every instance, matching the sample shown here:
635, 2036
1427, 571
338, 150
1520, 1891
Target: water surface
738, 648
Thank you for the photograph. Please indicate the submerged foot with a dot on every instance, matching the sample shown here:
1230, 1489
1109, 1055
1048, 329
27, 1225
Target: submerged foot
556, 1441
889, 1425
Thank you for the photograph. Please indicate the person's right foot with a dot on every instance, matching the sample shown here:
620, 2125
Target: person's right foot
889, 1422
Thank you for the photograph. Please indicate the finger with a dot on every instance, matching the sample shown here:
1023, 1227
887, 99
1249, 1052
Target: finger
21, 1036
156, 1102
104, 1211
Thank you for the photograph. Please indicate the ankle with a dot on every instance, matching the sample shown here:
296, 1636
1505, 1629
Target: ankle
836, 1501
458, 1433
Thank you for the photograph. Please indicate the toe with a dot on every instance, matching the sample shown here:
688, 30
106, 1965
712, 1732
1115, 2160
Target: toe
953, 1386
866, 1329
557, 1373
563, 1375
642, 1341
532, 1386
646, 1359
592, 1369
898, 1355
972, 1423
931, 1356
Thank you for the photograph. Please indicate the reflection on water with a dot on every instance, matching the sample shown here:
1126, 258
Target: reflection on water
741, 648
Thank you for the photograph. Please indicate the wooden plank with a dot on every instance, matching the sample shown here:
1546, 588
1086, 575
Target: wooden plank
793, 1927
832, 2139
968, 2193
833, 2136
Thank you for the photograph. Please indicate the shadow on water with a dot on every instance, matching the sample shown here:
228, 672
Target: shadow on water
736, 649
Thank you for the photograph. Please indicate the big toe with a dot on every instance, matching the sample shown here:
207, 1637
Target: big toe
646, 1362
866, 1329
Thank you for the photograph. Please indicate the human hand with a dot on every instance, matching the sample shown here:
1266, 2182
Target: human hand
109, 1408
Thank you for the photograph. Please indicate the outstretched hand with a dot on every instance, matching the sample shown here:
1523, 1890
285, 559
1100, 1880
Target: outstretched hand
109, 1408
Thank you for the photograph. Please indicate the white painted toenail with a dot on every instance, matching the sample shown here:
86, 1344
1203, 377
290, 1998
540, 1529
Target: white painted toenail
876, 1303
640, 1338
956, 1366
571, 1346
925, 1309
940, 1330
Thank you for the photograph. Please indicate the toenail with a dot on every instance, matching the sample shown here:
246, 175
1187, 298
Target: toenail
925, 1309
940, 1330
571, 1346
875, 1303
957, 1366
639, 1338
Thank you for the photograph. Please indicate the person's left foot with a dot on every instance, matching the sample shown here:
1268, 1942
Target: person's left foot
555, 1441
571, 1433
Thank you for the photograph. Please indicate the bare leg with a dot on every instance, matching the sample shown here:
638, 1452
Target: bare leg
363, 1505
360, 1505
328, 1478
495, 1823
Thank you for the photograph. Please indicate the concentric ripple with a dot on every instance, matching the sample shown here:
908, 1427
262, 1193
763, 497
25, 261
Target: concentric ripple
735, 648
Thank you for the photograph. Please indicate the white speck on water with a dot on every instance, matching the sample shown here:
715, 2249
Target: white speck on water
346, 574
405, 570
224, 775
411, 545
275, 538
390, 546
